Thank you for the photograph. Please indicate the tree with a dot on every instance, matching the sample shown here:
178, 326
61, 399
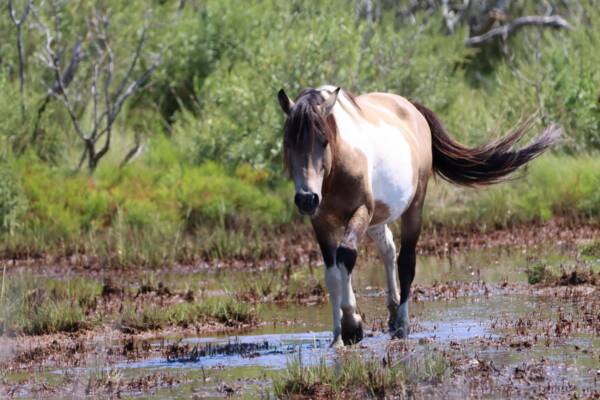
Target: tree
105, 94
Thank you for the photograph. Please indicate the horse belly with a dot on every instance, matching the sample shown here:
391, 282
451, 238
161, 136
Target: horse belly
392, 173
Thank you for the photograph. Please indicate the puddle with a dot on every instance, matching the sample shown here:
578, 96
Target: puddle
264, 351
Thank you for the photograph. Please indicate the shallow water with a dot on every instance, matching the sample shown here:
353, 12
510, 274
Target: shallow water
461, 322
245, 363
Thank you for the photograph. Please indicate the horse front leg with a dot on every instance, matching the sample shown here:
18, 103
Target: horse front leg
325, 234
352, 330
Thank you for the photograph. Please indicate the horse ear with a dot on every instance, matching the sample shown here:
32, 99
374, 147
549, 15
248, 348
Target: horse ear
328, 104
284, 101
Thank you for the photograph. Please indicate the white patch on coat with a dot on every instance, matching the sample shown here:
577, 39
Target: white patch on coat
389, 157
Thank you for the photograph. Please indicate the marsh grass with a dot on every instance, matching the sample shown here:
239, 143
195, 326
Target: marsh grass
282, 285
35, 306
228, 311
361, 373
538, 272
591, 250
582, 273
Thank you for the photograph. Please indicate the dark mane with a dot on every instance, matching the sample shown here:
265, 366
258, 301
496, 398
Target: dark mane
305, 123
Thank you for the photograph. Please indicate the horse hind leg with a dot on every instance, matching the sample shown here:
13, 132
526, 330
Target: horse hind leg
384, 239
407, 259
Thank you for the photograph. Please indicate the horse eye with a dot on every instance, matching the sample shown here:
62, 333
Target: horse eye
325, 143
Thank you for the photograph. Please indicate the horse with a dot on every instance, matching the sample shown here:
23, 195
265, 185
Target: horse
359, 163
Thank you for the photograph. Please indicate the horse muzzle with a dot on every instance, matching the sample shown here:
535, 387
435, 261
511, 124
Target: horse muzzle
307, 202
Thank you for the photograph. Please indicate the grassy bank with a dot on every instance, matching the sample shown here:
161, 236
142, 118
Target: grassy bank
158, 213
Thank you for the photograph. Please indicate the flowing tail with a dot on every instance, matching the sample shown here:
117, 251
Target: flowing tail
485, 164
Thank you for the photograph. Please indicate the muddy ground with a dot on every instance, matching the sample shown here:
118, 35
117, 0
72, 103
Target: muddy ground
472, 303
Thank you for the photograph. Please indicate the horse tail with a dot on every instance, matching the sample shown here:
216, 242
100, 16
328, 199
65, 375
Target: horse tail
486, 164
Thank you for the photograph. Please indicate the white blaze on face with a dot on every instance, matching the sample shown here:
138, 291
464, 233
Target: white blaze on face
308, 178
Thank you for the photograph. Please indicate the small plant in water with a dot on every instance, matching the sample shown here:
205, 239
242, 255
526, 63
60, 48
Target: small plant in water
537, 273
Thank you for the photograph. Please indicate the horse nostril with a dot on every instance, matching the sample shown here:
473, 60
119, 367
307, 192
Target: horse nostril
306, 202
298, 200
315, 200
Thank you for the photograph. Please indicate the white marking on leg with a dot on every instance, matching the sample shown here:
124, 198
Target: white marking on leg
348, 301
384, 239
333, 281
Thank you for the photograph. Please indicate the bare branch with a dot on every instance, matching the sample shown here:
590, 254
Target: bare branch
133, 63
134, 87
61, 91
13, 16
505, 31
83, 157
95, 99
18, 22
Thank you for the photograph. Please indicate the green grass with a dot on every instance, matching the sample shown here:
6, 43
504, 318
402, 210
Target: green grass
591, 249
36, 306
552, 186
227, 311
152, 217
282, 285
146, 215
359, 373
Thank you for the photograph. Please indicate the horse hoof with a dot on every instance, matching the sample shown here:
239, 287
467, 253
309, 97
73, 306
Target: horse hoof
401, 332
337, 343
352, 329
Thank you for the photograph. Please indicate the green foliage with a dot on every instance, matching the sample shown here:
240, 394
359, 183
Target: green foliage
296, 45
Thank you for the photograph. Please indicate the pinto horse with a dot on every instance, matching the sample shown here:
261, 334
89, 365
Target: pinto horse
360, 163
